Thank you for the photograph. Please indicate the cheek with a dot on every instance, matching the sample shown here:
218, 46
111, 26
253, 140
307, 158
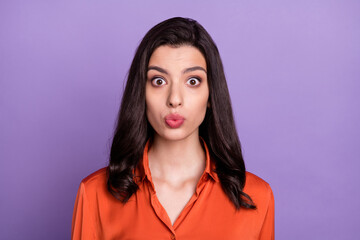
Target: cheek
149, 109
149, 102
203, 99
200, 107
152, 111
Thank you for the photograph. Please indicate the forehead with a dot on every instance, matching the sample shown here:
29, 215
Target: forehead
182, 56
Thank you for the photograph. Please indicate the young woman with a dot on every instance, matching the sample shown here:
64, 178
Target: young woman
176, 169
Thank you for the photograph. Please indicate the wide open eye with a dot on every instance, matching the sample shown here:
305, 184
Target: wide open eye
158, 81
193, 81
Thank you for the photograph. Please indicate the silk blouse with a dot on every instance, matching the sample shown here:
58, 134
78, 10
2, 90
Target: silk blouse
209, 214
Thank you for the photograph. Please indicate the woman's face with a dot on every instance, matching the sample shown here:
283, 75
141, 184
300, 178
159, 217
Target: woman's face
177, 91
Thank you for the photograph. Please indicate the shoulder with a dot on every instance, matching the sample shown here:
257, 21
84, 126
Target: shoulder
262, 196
254, 182
96, 176
258, 189
95, 182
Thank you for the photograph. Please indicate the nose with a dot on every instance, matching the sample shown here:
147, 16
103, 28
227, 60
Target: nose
175, 96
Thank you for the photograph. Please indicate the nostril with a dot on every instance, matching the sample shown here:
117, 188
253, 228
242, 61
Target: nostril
175, 104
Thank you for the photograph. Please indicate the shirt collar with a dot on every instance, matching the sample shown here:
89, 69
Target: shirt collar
143, 170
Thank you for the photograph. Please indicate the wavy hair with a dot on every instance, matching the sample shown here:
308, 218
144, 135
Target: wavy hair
218, 128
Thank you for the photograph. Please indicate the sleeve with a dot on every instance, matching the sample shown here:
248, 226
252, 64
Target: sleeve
268, 227
83, 226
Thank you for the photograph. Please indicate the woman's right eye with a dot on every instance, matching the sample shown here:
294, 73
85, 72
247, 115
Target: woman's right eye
157, 81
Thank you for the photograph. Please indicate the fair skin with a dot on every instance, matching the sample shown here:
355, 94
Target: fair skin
176, 83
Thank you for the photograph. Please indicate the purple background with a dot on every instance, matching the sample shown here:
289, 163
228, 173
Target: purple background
293, 73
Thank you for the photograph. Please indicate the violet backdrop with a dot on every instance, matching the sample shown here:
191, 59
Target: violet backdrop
293, 70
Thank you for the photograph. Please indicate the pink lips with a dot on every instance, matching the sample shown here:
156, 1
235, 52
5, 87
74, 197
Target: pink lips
174, 120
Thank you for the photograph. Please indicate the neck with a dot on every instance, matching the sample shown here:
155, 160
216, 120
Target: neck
180, 159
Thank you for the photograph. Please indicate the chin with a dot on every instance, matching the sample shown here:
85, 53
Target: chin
175, 134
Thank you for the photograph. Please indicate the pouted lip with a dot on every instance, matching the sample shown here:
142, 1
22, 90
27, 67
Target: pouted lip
174, 116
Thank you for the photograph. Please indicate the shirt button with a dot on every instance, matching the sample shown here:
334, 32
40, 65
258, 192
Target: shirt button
172, 237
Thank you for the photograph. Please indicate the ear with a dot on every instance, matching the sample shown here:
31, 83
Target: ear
208, 104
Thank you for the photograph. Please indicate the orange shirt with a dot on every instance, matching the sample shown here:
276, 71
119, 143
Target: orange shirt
209, 214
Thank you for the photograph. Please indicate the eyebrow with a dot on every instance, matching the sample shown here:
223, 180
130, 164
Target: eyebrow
186, 70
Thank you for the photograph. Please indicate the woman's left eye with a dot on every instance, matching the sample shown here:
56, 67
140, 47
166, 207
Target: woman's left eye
193, 81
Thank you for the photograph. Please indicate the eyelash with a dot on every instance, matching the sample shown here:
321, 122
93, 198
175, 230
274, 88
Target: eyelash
197, 78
